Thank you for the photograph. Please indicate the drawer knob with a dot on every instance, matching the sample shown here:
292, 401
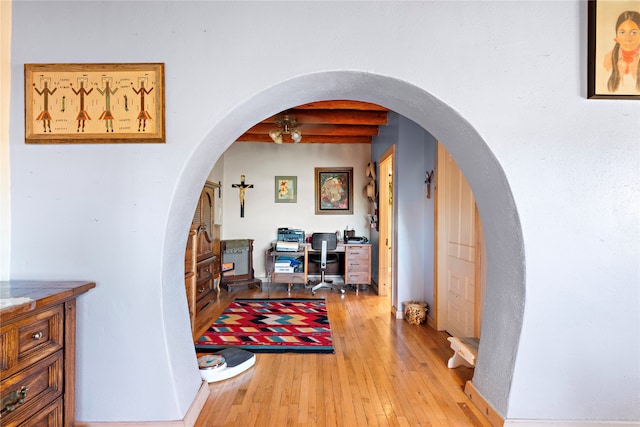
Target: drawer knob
13, 399
37, 335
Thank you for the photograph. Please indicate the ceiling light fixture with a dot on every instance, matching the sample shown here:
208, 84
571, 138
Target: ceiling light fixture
286, 126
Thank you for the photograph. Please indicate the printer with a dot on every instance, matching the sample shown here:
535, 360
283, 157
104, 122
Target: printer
290, 235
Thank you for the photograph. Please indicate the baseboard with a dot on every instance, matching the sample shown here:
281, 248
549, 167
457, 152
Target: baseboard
431, 322
479, 402
189, 419
569, 423
194, 410
374, 285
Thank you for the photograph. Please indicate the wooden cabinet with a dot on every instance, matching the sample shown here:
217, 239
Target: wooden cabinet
299, 277
37, 361
357, 265
202, 254
190, 275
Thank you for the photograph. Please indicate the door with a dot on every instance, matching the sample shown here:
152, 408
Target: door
457, 250
385, 213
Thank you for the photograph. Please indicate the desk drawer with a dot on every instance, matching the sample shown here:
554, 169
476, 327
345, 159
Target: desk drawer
357, 266
358, 251
41, 383
353, 278
288, 278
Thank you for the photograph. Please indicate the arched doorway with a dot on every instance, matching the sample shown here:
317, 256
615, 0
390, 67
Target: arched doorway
503, 235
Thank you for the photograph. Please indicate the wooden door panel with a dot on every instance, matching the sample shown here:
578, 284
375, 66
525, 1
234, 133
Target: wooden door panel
459, 217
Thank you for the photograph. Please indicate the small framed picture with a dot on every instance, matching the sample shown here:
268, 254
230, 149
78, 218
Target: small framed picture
334, 191
614, 49
286, 189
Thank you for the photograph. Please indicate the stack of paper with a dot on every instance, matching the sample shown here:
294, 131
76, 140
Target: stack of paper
283, 246
283, 266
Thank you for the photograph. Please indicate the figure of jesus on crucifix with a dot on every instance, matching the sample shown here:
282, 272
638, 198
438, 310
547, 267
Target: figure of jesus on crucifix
242, 187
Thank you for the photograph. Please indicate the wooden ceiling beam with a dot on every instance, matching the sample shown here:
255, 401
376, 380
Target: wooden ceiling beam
327, 122
341, 105
314, 129
347, 117
309, 139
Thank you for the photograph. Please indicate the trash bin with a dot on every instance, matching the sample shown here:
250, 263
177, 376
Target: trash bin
415, 312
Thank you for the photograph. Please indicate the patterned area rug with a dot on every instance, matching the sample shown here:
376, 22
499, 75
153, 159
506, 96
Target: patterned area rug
296, 325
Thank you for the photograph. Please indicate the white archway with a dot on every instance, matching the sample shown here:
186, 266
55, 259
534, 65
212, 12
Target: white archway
505, 294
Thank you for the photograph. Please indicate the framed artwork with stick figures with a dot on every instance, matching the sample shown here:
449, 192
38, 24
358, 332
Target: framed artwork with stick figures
614, 49
94, 103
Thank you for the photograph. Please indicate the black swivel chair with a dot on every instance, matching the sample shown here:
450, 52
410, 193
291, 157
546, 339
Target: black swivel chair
323, 242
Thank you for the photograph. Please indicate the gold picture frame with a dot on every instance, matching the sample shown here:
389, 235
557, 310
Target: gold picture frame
612, 30
334, 191
94, 103
286, 189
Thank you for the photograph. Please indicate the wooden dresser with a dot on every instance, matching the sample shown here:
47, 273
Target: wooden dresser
202, 255
37, 362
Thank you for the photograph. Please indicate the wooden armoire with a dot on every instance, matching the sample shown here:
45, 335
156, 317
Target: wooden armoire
202, 260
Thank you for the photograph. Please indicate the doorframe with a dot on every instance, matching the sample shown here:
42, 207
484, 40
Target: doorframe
438, 252
387, 227
505, 296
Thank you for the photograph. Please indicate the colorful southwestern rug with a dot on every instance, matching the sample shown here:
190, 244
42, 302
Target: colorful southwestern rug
290, 325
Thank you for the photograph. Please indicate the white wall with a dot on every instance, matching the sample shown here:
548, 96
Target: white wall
260, 163
556, 178
5, 86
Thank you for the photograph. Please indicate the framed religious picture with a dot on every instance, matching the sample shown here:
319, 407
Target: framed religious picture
286, 189
614, 49
334, 191
94, 103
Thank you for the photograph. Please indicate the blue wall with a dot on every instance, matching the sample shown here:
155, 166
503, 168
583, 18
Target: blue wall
415, 152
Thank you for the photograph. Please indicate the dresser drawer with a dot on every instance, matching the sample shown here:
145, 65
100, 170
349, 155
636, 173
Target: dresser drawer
205, 268
26, 341
36, 386
204, 282
51, 416
215, 266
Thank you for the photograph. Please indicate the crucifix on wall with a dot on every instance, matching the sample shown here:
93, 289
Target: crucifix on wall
242, 187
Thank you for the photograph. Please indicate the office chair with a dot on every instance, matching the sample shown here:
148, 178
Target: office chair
323, 242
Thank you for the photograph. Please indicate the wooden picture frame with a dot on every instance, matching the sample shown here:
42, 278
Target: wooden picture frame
334, 191
94, 103
286, 189
603, 82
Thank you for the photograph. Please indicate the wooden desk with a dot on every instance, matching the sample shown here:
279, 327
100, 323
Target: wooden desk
355, 264
289, 278
37, 363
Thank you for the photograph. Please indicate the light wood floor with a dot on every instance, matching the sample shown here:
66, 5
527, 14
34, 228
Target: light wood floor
385, 372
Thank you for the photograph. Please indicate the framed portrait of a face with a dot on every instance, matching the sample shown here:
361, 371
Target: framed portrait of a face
614, 49
334, 191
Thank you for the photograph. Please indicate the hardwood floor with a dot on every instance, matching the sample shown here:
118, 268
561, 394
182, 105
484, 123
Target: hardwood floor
385, 372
